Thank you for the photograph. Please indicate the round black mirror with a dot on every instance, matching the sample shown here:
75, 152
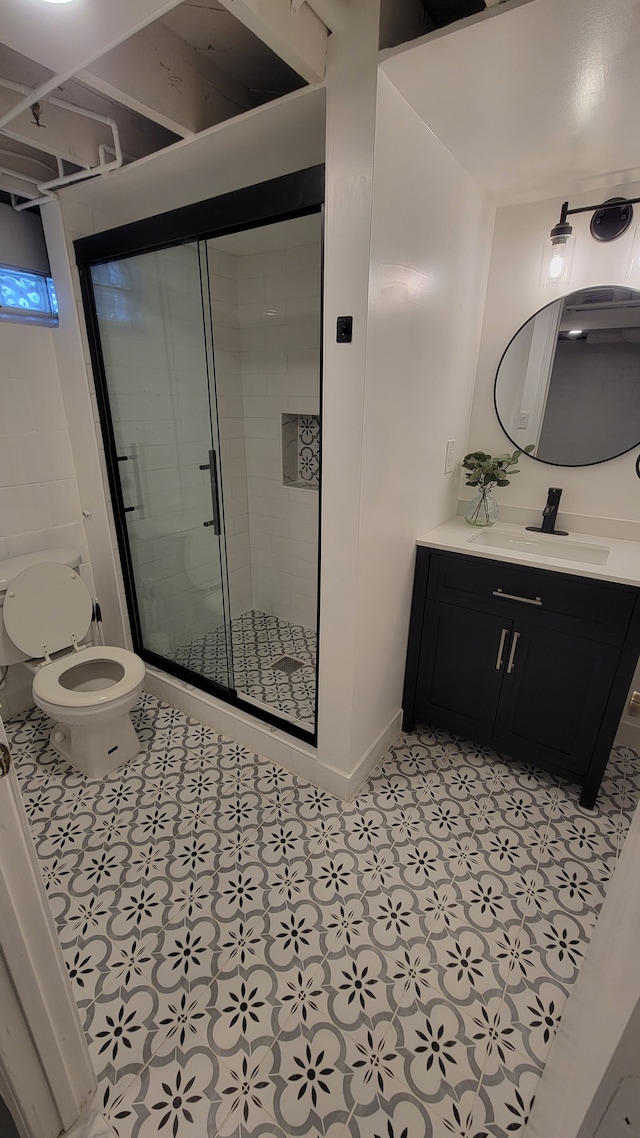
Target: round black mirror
569, 380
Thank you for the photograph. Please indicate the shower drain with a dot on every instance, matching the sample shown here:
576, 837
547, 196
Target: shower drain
287, 664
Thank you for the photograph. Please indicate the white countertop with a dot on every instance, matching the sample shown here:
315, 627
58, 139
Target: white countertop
622, 559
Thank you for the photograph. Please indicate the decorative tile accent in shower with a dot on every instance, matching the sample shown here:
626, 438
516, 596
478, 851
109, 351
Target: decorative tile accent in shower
259, 641
251, 957
301, 451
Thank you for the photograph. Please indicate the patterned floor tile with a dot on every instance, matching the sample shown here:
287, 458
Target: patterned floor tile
537, 1011
246, 1096
507, 1099
436, 1049
253, 958
258, 640
312, 1081
123, 1029
402, 1116
175, 1094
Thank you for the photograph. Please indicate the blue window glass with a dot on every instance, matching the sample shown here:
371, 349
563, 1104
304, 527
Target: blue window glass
27, 297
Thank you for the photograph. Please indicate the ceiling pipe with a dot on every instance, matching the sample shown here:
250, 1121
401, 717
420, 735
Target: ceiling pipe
27, 158
103, 167
21, 89
62, 179
333, 13
32, 201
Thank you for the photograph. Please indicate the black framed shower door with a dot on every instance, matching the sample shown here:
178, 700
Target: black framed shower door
146, 293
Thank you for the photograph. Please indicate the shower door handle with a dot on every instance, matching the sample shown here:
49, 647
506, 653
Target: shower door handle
212, 467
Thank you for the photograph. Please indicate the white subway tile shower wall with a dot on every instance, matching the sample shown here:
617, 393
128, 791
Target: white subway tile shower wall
157, 382
279, 318
224, 305
39, 500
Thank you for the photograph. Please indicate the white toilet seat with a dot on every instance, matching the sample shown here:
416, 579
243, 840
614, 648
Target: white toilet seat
47, 608
47, 680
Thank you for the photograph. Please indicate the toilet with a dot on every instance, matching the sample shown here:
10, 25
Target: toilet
87, 691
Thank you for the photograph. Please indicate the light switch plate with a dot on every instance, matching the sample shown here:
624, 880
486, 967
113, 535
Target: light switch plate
450, 456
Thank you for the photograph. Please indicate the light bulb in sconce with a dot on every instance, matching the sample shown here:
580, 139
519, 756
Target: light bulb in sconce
557, 262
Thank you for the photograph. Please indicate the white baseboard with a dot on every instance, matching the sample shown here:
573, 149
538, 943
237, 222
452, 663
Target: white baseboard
372, 757
91, 1124
270, 742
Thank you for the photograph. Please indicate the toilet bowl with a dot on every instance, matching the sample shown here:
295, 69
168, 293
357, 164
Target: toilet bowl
87, 691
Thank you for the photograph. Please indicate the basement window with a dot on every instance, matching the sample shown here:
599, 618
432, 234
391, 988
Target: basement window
27, 298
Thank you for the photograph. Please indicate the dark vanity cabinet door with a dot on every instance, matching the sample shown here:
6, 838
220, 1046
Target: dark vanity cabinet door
553, 698
535, 663
460, 669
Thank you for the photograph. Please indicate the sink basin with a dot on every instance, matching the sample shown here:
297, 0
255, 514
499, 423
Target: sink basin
543, 545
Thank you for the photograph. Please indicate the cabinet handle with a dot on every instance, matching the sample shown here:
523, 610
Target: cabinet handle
512, 654
503, 637
513, 597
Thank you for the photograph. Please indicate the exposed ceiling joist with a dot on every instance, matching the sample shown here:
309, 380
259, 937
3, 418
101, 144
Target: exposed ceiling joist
34, 166
300, 38
21, 168
57, 131
12, 183
66, 38
138, 134
153, 70
163, 78
91, 31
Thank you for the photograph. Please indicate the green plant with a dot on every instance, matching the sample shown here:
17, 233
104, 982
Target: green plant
485, 471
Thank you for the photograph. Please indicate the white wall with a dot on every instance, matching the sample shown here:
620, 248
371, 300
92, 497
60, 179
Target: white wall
39, 502
22, 241
609, 490
586, 1061
351, 104
63, 223
430, 243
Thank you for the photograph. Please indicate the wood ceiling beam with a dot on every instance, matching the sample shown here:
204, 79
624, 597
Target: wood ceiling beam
299, 38
159, 75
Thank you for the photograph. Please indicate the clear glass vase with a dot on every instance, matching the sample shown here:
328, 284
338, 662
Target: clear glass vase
482, 510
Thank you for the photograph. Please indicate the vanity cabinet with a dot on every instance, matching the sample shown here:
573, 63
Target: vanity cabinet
534, 662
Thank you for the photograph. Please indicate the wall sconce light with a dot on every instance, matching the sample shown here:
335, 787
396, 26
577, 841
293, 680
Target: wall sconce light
610, 220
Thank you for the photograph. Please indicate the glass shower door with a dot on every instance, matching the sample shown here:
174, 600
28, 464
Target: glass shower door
154, 323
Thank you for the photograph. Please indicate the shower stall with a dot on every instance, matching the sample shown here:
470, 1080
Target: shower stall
205, 333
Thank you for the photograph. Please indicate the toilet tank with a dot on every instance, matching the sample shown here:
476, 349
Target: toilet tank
9, 569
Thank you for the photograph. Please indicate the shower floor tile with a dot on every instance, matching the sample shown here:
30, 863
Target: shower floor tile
251, 957
259, 641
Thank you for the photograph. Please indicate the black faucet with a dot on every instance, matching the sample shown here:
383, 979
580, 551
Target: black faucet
550, 514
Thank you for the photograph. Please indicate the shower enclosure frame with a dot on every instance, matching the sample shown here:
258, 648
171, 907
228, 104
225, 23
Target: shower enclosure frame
266, 203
